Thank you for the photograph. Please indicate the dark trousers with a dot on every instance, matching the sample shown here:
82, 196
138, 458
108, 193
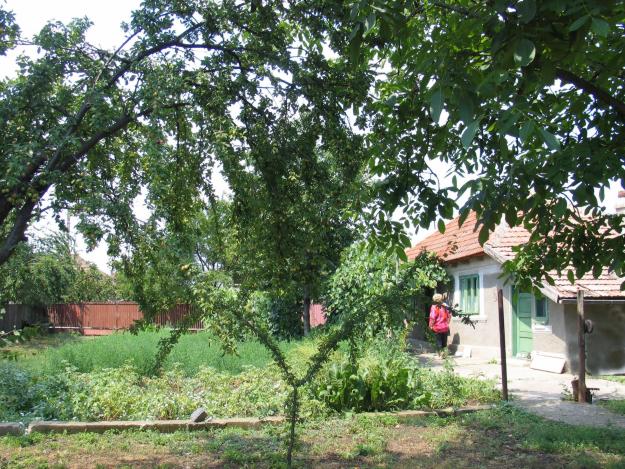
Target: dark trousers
441, 339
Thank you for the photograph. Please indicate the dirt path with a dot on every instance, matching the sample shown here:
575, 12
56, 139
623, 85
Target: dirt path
541, 392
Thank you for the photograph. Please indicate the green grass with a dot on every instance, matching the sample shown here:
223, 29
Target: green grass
615, 405
501, 438
617, 379
113, 351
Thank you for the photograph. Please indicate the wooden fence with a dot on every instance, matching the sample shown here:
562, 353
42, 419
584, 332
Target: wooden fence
18, 316
104, 318
91, 318
317, 315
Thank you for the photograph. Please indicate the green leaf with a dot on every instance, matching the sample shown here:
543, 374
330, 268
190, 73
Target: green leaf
401, 254
436, 105
511, 216
483, 235
404, 240
526, 131
354, 46
550, 140
464, 213
526, 10
369, 23
571, 276
353, 14
524, 52
600, 27
466, 109
560, 208
441, 226
469, 133
578, 23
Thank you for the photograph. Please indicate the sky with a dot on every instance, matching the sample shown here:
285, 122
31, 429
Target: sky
107, 16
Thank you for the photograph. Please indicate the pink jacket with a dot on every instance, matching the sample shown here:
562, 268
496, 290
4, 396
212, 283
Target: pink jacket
439, 318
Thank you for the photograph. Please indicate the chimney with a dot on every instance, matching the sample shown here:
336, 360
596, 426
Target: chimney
620, 203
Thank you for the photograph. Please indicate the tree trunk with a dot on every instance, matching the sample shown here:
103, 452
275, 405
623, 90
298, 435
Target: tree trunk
306, 314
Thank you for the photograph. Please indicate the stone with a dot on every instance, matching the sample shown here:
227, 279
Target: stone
11, 429
199, 415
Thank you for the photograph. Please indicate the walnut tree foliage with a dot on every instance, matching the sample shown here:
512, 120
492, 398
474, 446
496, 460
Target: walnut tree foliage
524, 97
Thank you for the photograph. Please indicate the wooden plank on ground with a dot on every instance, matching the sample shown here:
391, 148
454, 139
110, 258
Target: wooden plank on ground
547, 363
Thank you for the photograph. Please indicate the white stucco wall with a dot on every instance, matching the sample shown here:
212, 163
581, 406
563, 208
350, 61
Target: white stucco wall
484, 338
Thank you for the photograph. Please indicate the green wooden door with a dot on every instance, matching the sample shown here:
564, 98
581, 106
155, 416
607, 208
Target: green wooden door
523, 324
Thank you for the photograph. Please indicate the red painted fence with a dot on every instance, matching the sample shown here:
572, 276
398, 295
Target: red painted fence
317, 316
103, 318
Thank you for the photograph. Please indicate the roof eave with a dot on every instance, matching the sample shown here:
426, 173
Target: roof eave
462, 258
550, 292
605, 300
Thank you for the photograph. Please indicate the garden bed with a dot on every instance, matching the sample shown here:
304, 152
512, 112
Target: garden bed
69, 383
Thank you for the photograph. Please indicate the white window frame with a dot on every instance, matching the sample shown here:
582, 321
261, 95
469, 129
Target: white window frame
480, 271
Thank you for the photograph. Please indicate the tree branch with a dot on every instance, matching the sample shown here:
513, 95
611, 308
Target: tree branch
17, 232
42, 184
599, 94
455, 8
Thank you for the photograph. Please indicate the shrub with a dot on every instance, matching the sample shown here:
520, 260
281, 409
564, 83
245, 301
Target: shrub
280, 312
24, 394
387, 378
379, 290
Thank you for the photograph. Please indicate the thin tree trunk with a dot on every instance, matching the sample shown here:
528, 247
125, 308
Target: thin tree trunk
306, 314
293, 411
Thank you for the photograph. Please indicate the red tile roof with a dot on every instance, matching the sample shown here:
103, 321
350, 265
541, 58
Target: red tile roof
461, 243
607, 285
458, 242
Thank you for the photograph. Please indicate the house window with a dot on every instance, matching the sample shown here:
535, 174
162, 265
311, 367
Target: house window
469, 294
542, 311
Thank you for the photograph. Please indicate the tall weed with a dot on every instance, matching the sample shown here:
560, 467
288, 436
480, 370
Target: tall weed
387, 378
116, 350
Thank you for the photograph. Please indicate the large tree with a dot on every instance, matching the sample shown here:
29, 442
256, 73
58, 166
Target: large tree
294, 189
526, 97
89, 129
523, 97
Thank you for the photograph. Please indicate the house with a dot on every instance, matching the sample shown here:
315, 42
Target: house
544, 325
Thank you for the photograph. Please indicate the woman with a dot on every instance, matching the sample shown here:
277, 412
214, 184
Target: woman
439, 321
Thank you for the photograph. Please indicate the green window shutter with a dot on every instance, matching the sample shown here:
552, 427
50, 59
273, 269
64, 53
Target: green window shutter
469, 294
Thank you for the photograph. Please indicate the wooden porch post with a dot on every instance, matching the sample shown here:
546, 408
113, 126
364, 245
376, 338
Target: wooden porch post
581, 340
502, 346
